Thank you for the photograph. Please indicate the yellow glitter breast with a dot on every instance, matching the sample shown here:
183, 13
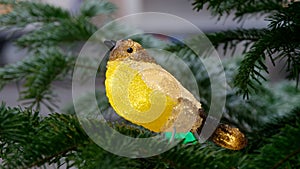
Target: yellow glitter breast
132, 99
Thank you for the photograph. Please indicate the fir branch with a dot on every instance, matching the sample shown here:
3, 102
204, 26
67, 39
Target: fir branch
92, 156
196, 156
277, 44
48, 68
277, 122
17, 71
52, 156
288, 157
248, 68
95, 7
231, 38
240, 8
12, 124
25, 12
39, 71
280, 148
259, 7
252, 35
43, 139
52, 34
55, 139
285, 17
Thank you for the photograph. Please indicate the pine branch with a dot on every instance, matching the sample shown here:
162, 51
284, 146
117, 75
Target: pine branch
13, 123
231, 38
240, 8
28, 140
275, 42
26, 12
281, 148
53, 34
249, 68
279, 42
285, 17
51, 157
56, 27
40, 140
196, 156
287, 158
276, 123
95, 7
39, 71
15, 72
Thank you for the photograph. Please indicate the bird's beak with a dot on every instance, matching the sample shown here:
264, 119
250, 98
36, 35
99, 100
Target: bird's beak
110, 44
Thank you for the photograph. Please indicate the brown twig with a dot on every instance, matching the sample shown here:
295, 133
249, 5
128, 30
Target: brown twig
285, 159
46, 159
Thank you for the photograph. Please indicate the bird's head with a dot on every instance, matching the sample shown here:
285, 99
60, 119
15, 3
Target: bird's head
127, 50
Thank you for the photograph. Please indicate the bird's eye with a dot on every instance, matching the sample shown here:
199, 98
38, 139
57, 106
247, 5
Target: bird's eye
129, 50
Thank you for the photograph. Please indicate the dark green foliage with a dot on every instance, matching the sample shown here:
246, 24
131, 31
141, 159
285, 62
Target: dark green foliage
95, 7
38, 71
240, 8
51, 44
196, 156
28, 140
279, 41
25, 13
279, 142
230, 39
65, 32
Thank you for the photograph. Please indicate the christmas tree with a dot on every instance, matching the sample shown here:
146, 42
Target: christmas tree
269, 116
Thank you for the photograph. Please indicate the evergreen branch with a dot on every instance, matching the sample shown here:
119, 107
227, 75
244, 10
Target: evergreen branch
256, 110
43, 139
17, 71
239, 35
280, 148
49, 66
279, 42
259, 7
44, 160
39, 71
25, 12
195, 156
95, 7
247, 68
12, 124
240, 8
54, 139
278, 122
274, 42
52, 34
286, 158
231, 38
285, 17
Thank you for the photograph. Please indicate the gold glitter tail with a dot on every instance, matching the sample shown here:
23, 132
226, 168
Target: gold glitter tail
229, 137
224, 135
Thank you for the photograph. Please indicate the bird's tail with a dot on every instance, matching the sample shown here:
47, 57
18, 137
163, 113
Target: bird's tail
225, 135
